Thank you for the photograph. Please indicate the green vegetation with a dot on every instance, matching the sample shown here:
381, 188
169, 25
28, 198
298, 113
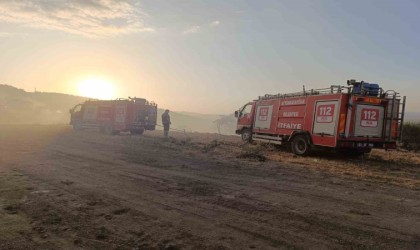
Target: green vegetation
411, 136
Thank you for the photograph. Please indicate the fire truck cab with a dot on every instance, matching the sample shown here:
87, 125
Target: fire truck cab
113, 116
353, 118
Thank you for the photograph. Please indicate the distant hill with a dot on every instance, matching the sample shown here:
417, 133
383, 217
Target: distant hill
18, 106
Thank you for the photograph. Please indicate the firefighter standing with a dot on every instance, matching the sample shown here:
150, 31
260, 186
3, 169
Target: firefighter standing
166, 121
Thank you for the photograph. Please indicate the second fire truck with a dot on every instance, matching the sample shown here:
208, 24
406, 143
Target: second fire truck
113, 116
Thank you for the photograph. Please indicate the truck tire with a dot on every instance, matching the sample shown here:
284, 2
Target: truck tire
77, 126
246, 135
109, 130
137, 131
300, 145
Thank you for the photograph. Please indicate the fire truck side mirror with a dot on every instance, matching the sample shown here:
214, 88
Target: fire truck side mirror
236, 113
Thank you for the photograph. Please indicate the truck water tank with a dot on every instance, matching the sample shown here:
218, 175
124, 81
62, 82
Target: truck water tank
374, 89
358, 88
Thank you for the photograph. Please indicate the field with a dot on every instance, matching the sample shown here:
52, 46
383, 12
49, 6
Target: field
83, 190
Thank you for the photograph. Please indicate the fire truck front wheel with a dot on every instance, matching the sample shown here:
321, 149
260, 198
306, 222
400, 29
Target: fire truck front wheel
300, 145
246, 135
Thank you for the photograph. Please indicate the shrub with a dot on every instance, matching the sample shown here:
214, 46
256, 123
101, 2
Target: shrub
411, 136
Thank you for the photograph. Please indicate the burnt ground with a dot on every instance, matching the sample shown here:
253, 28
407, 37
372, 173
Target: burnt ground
84, 190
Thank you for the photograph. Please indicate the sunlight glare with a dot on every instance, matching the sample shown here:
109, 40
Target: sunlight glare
97, 88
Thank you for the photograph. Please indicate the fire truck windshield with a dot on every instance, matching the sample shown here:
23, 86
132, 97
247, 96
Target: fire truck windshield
246, 110
77, 108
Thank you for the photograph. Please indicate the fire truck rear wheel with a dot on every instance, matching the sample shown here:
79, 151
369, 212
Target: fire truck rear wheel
137, 131
109, 130
300, 145
246, 135
77, 126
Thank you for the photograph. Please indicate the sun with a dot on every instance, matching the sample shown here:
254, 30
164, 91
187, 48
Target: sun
96, 87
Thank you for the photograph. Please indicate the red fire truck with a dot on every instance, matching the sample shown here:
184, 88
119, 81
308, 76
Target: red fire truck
114, 116
353, 119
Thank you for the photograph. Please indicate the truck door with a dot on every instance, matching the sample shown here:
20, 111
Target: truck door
369, 121
76, 114
120, 116
245, 117
263, 117
90, 113
325, 120
104, 114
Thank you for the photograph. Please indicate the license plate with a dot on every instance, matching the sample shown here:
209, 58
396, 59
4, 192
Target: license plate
364, 145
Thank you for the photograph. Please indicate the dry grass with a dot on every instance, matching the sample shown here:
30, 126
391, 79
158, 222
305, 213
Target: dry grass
253, 152
400, 167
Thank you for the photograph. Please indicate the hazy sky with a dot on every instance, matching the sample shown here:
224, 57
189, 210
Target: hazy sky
209, 56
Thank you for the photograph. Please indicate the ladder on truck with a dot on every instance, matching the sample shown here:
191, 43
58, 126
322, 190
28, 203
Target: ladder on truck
395, 104
334, 89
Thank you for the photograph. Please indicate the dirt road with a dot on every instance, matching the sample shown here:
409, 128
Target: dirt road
85, 190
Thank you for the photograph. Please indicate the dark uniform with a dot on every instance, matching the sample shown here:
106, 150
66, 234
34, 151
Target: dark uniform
166, 121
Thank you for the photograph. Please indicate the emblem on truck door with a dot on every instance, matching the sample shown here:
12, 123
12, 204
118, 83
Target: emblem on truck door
370, 118
325, 113
263, 114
